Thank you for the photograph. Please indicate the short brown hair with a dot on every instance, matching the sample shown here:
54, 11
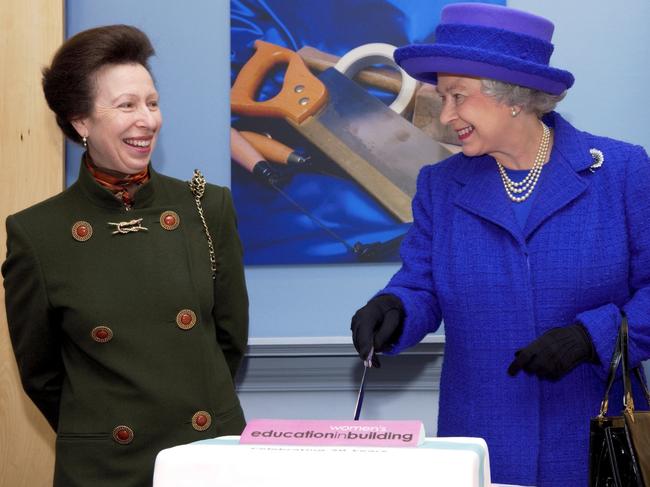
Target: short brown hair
68, 83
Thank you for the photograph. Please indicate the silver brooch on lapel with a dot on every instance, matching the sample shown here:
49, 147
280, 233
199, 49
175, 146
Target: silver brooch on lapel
128, 227
598, 158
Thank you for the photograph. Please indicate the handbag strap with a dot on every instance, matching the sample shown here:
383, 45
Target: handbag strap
197, 186
613, 367
628, 401
620, 355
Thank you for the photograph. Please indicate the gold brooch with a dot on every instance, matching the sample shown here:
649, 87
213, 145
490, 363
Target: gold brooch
128, 227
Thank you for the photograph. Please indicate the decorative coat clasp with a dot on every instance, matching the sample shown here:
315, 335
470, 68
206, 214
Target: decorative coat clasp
598, 158
128, 227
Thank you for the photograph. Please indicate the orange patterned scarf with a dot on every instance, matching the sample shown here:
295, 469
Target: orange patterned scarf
123, 186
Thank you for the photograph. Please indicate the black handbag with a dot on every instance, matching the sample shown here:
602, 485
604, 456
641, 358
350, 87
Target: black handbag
619, 446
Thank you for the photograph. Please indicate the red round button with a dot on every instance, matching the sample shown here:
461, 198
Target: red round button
201, 420
82, 231
123, 434
169, 220
101, 334
186, 319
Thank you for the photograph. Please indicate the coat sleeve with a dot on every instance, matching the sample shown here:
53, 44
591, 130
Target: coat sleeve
603, 322
231, 297
413, 283
33, 328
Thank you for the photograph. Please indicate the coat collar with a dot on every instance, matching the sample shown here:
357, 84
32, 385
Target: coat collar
104, 198
559, 184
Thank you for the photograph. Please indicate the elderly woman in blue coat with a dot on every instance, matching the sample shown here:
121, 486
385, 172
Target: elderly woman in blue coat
529, 244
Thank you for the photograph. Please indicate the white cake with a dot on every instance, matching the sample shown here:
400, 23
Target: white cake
448, 462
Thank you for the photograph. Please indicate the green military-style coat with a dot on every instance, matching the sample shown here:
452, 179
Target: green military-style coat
123, 340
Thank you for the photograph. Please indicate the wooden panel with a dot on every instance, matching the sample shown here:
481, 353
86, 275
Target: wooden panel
32, 168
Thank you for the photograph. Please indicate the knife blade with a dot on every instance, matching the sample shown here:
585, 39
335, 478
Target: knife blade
378, 148
366, 365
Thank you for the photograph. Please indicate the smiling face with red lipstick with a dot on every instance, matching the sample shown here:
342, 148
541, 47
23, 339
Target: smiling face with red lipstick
123, 126
483, 124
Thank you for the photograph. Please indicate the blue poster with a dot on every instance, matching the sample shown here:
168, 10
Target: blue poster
315, 190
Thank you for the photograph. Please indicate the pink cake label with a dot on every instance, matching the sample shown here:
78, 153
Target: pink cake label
333, 433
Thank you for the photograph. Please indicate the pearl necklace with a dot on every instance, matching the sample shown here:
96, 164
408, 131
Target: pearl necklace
527, 185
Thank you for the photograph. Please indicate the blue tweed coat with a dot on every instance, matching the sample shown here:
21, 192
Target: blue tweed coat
583, 255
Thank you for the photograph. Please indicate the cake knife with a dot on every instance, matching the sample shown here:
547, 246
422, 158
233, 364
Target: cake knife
366, 365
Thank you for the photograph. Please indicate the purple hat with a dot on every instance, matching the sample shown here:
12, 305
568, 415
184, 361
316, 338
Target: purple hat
488, 41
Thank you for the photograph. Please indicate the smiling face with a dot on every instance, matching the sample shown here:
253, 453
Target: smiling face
124, 124
483, 125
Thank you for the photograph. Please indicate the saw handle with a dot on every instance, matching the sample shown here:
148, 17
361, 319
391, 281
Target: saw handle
242, 152
248, 157
272, 150
302, 94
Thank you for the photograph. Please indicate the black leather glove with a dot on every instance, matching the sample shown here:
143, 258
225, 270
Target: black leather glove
555, 353
378, 324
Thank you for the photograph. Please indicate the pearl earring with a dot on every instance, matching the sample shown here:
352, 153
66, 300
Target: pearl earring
514, 112
84, 140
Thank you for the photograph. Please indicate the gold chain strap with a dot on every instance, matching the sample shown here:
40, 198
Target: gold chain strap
197, 186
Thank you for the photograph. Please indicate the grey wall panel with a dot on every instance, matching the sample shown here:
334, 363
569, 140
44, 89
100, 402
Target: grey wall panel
320, 381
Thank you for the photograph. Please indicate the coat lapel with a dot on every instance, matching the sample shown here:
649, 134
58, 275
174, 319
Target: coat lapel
560, 182
558, 186
483, 195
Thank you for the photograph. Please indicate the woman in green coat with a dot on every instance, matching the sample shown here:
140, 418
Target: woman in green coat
125, 294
